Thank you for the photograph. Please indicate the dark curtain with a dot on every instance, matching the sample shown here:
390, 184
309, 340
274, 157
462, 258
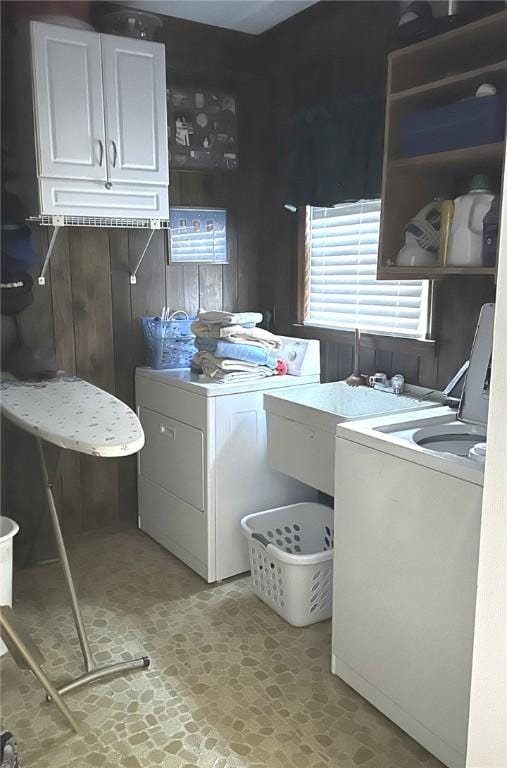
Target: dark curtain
334, 152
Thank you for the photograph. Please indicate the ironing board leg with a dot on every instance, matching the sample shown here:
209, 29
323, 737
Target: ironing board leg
35, 668
93, 672
101, 672
62, 553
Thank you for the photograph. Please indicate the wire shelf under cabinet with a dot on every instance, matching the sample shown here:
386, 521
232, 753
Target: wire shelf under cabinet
109, 222
117, 222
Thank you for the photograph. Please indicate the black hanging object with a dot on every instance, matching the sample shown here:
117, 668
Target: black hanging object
416, 23
335, 152
18, 255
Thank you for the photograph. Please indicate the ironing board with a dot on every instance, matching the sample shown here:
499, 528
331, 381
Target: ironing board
74, 415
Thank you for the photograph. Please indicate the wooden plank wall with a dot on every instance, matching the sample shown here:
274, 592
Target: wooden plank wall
87, 317
346, 45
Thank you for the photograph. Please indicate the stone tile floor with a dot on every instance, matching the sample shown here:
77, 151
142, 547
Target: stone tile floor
231, 685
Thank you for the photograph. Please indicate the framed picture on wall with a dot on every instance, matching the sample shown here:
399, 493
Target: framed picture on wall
203, 129
198, 236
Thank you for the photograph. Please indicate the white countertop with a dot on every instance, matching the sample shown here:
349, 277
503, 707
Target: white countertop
183, 378
73, 414
326, 405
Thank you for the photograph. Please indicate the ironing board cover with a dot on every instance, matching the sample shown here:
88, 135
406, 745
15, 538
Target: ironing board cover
73, 414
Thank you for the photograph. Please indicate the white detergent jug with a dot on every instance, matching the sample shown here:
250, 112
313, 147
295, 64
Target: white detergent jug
465, 238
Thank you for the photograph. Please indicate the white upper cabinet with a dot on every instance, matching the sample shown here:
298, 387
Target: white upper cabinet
101, 123
68, 99
135, 110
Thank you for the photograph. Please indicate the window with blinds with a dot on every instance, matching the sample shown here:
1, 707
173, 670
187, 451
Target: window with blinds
198, 235
341, 287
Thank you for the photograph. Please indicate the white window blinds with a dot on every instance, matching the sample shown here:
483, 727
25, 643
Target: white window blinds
343, 291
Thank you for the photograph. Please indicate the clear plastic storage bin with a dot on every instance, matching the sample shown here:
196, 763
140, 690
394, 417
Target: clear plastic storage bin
291, 557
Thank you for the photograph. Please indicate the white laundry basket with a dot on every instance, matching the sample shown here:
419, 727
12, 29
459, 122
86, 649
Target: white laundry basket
8, 529
291, 557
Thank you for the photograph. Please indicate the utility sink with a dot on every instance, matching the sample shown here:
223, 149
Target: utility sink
301, 425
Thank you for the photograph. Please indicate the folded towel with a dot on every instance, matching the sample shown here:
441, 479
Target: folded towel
229, 318
236, 334
206, 345
256, 337
221, 377
212, 330
224, 364
246, 352
229, 370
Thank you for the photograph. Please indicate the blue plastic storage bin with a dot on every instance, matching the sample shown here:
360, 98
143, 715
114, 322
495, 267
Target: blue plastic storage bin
466, 123
168, 343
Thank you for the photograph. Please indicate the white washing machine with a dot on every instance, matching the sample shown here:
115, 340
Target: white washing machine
408, 495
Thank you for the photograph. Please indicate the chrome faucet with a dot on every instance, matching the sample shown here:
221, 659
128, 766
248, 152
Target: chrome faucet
380, 381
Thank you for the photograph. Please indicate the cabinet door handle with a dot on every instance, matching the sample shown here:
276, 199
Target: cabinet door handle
115, 152
101, 151
165, 429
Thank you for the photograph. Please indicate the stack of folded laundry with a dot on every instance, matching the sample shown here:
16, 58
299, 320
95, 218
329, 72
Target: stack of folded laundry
231, 348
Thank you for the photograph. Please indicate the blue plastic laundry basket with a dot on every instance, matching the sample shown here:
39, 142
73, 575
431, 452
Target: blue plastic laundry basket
169, 343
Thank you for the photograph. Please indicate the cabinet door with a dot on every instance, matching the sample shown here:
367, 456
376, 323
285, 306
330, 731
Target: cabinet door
69, 111
135, 108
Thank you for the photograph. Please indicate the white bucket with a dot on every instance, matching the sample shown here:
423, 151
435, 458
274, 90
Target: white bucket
8, 529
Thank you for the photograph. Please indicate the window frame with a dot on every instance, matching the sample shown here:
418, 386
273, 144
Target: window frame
369, 339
